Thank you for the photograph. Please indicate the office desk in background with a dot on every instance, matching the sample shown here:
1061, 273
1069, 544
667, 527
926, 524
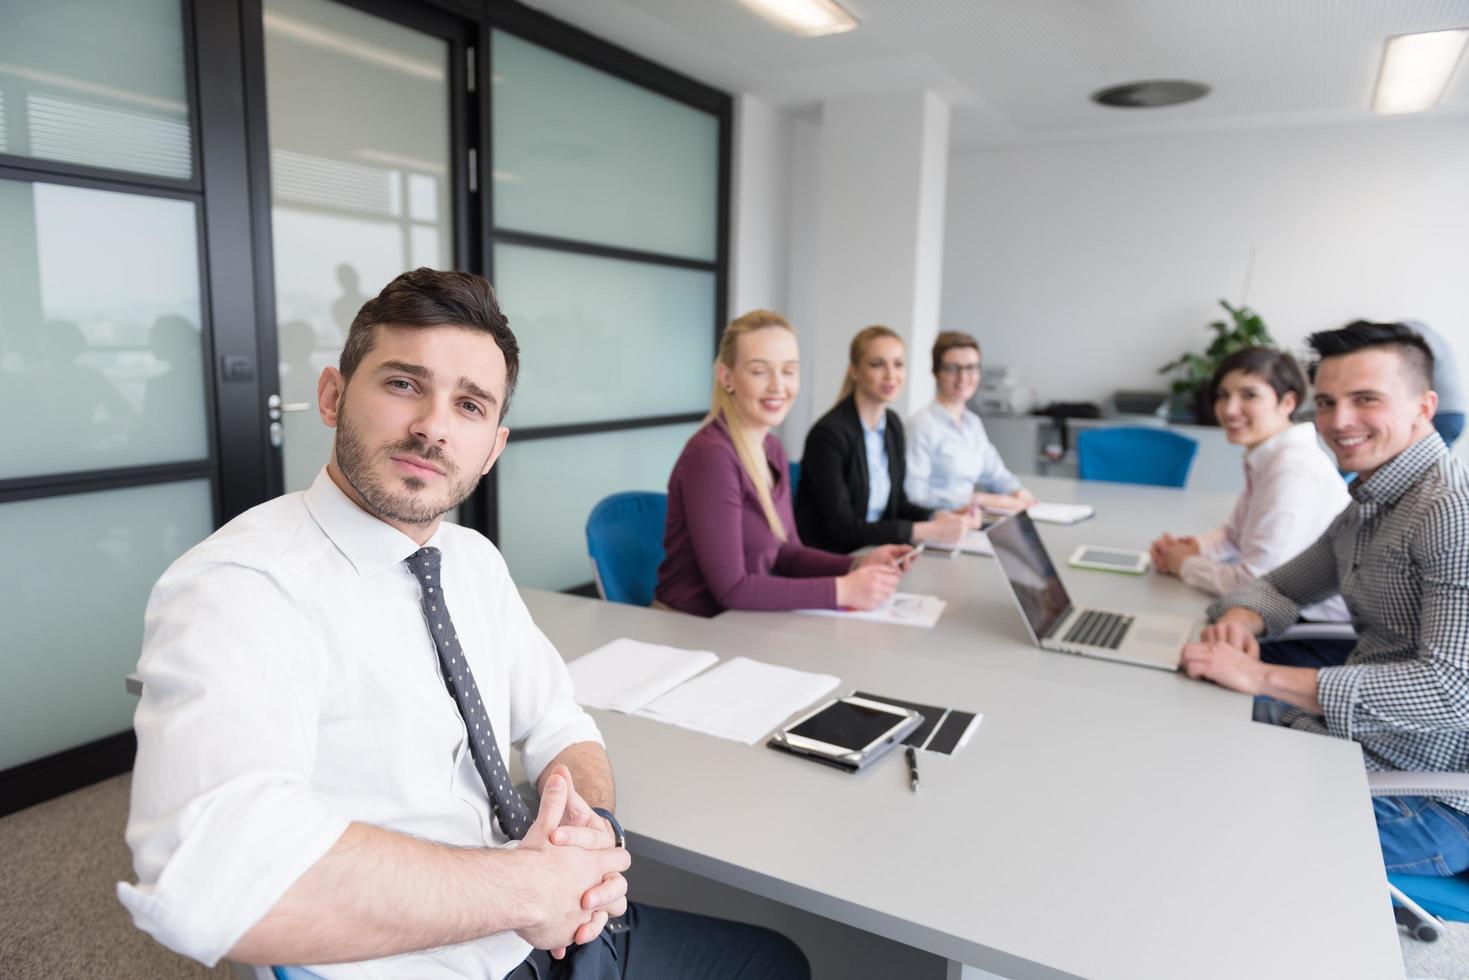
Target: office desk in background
981, 623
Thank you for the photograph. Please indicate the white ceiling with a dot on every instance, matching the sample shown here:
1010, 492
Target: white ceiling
1020, 71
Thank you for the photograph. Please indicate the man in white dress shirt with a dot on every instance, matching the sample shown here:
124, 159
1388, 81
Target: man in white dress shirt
332, 683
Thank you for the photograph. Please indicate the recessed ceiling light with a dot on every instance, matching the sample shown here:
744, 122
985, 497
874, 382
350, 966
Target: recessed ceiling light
808, 18
1150, 94
1416, 69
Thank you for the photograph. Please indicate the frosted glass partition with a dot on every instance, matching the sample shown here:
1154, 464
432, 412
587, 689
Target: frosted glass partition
96, 82
73, 609
358, 112
604, 338
549, 486
583, 154
99, 330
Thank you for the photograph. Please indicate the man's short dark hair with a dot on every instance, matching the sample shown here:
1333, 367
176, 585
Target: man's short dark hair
433, 298
1358, 335
1275, 367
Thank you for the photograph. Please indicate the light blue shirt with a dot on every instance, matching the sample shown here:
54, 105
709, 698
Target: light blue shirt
949, 460
879, 481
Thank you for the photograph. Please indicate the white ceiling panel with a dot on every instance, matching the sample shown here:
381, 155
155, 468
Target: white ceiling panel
1019, 71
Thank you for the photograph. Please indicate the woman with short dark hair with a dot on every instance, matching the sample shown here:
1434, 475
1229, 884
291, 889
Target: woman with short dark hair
1292, 487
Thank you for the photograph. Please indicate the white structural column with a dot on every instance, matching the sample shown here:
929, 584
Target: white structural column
759, 259
880, 177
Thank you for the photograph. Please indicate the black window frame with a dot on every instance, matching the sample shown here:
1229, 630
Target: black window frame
571, 42
229, 187
82, 765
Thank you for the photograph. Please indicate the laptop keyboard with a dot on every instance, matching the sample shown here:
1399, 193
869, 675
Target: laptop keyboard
1099, 629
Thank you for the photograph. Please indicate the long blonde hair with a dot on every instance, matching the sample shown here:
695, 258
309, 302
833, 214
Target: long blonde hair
722, 409
860, 343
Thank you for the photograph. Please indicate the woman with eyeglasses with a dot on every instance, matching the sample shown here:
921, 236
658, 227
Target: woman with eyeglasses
854, 464
951, 461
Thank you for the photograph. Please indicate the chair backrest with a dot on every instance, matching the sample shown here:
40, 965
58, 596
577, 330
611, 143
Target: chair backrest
293, 973
1135, 454
795, 469
625, 541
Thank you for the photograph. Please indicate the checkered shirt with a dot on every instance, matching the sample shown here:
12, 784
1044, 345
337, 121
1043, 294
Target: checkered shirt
1399, 555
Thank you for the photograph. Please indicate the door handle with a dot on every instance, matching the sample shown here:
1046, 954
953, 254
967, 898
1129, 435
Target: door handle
275, 407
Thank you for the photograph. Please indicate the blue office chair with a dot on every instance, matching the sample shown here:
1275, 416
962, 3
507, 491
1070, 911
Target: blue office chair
625, 541
1135, 454
1423, 902
795, 470
293, 973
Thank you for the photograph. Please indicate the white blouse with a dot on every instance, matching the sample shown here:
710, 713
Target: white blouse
1292, 492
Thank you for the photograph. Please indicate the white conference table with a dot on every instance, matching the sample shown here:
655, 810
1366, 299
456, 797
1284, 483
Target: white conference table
981, 622
1105, 821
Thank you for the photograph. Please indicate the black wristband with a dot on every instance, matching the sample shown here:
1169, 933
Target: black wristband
617, 833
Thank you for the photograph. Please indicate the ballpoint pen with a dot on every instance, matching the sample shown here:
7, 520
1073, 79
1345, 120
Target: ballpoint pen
912, 754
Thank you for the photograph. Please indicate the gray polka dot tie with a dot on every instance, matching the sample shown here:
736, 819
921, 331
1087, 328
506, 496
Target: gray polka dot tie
509, 809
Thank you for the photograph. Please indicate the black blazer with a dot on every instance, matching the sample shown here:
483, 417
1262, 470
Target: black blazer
831, 502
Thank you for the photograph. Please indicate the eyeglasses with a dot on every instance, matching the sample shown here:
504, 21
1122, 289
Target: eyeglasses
959, 369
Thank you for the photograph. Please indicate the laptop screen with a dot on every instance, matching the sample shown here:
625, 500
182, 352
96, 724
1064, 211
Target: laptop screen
1023, 557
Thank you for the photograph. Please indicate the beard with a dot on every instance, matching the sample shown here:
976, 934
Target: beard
408, 505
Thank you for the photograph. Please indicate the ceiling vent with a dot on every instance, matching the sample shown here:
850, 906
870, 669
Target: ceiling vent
1150, 95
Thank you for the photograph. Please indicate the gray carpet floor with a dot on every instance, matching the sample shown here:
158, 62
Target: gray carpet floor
59, 914
60, 918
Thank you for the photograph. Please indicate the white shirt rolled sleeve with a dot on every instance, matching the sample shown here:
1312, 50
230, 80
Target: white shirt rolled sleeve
290, 687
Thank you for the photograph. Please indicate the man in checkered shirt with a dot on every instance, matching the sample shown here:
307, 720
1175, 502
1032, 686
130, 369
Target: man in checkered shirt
1399, 554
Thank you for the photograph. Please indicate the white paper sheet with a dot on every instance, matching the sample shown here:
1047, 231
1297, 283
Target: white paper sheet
1061, 513
1054, 513
904, 609
625, 675
741, 699
977, 543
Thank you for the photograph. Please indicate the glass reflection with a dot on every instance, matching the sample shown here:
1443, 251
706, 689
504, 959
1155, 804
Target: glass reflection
100, 347
95, 82
358, 112
110, 547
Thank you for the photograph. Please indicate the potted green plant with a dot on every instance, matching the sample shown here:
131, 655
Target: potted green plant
1191, 385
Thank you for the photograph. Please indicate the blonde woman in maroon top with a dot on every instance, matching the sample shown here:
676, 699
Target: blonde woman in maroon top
730, 541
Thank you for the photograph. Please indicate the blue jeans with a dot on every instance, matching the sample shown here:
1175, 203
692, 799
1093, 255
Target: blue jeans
1418, 835
1306, 653
649, 943
1450, 426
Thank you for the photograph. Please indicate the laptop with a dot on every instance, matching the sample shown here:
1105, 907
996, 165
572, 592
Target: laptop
1055, 623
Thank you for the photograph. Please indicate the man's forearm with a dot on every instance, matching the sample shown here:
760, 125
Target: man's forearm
1293, 685
591, 773
1246, 617
379, 893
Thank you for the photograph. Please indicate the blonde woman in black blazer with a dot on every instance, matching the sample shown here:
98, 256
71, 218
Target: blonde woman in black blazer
837, 506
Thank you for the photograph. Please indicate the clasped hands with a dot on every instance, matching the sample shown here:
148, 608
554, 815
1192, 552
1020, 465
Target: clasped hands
581, 886
1169, 553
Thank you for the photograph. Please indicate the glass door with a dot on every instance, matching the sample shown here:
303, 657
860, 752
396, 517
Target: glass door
361, 122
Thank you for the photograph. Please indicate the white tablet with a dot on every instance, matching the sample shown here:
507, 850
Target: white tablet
1110, 559
849, 732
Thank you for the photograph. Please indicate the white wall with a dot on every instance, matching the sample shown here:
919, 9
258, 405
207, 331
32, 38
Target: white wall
760, 199
1088, 265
